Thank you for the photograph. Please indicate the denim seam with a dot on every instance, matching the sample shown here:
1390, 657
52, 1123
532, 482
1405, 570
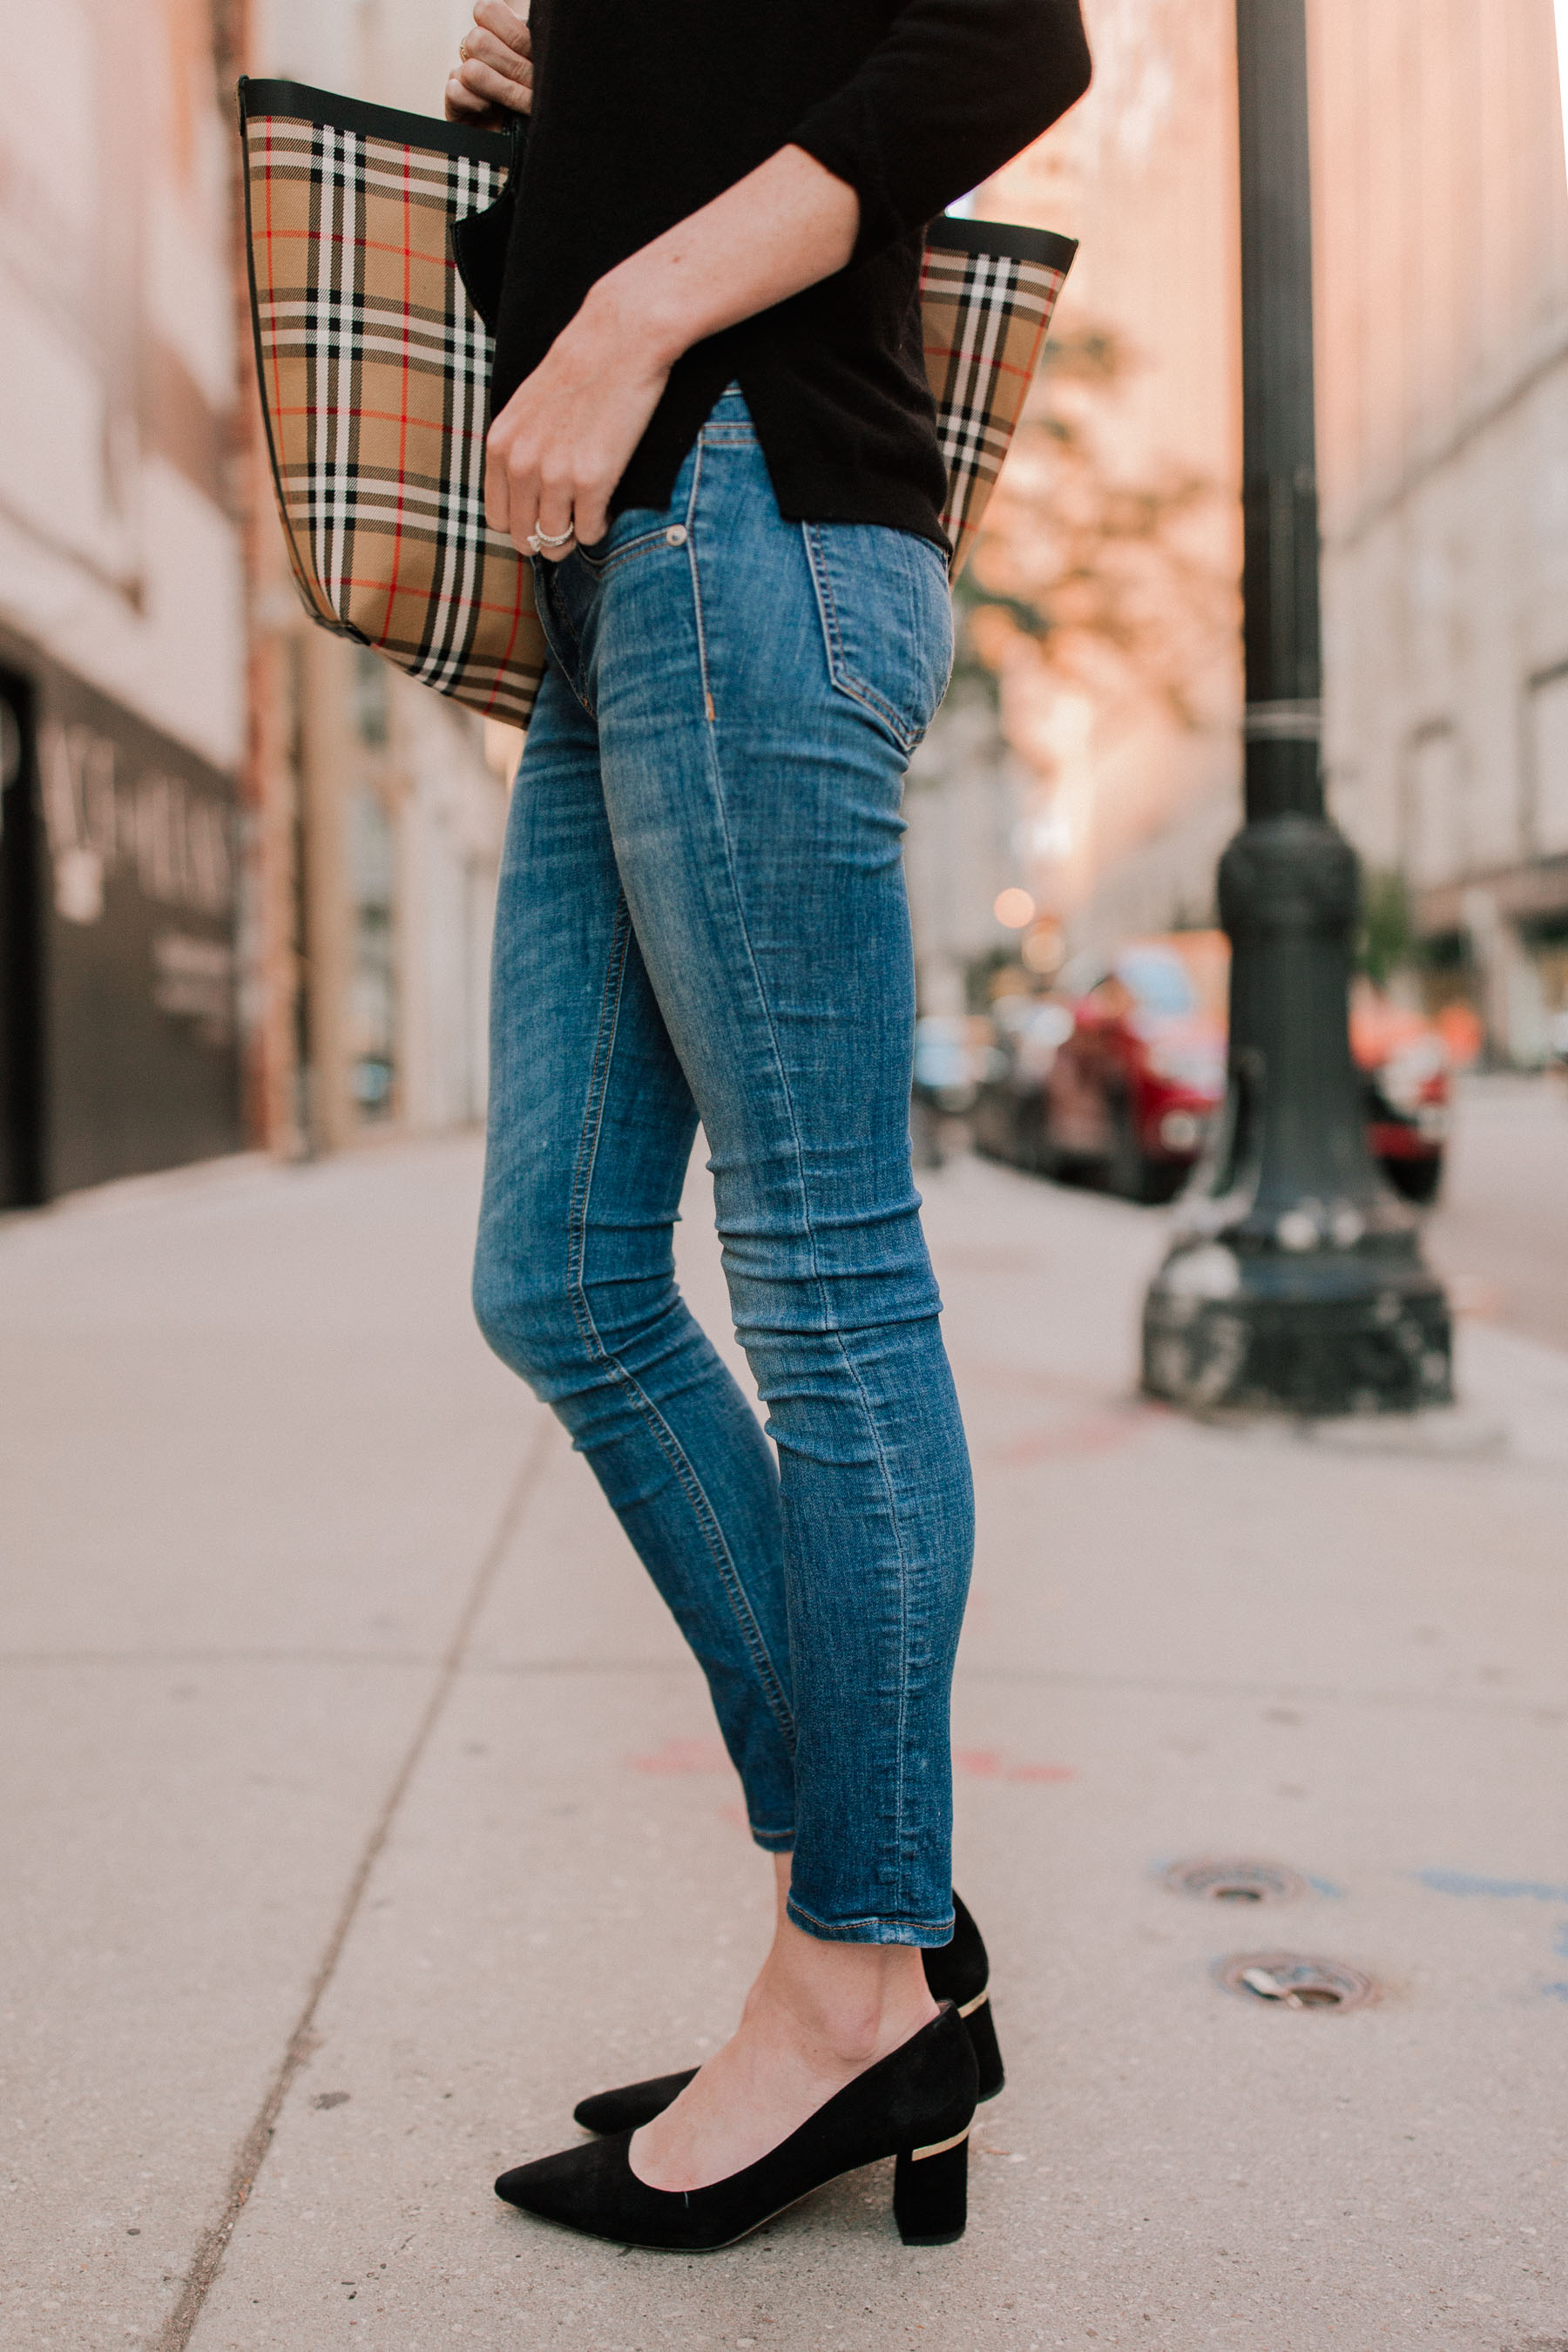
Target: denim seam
708, 703
847, 1358
841, 677
659, 1428
644, 544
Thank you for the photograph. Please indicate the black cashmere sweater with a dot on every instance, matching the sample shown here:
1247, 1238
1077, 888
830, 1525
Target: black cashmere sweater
642, 114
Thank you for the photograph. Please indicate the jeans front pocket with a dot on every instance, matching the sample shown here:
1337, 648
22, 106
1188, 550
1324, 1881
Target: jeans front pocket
562, 594
887, 621
556, 634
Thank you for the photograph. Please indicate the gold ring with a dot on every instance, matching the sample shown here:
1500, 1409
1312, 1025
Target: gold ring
463, 50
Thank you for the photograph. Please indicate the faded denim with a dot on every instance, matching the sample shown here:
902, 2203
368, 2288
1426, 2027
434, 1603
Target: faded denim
703, 918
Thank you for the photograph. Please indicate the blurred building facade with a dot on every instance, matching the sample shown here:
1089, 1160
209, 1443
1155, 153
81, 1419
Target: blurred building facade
1442, 313
123, 710
1443, 375
246, 873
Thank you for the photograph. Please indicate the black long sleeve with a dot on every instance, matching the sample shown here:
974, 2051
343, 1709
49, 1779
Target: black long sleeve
953, 91
643, 114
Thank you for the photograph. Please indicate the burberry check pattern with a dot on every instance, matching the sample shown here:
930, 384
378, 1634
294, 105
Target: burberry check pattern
374, 370
986, 317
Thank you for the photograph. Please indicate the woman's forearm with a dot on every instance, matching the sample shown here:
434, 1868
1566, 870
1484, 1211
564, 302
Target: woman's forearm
785, 226
560, 444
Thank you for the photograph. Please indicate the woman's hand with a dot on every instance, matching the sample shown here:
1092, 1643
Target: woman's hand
564, 438
494, 75
567, 436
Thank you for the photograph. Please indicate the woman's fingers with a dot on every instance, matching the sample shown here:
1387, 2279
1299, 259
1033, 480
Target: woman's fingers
484, 48
495, 16
522, 498
498, 474
462, 106
590, 509
511, 89
494, 76
493, 91
488, 50
501, 42
554, 516
525, 500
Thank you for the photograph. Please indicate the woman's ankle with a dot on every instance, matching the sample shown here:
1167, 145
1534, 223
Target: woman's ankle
856, 2001
848, 2003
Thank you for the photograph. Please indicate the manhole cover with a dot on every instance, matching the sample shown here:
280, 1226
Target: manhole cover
1293, 1981
1227, 1881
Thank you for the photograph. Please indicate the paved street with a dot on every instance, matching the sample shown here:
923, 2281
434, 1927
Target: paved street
363, 1811
1500, 1232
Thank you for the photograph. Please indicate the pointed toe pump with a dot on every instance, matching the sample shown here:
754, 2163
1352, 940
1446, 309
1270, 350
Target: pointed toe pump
959, 1972
915, 2105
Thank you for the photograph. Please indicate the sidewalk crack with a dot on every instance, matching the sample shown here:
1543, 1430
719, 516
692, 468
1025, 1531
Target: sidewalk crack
213, 2244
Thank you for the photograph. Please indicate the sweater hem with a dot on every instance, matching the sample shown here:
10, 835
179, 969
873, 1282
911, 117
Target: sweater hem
806, 490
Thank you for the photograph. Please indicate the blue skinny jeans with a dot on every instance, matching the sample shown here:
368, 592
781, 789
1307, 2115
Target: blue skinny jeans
703, 918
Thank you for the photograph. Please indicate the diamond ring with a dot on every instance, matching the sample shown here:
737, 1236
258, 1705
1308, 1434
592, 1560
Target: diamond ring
540, 539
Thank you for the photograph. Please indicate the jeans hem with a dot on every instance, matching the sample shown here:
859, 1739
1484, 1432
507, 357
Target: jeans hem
772, 1841
927, 1934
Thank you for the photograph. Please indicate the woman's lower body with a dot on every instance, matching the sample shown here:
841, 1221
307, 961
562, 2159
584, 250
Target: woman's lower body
702, 918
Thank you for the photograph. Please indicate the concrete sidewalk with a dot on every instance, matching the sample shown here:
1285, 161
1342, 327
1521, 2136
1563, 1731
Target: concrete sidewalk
363, 1810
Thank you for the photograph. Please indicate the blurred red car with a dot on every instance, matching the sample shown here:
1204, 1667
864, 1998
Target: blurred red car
1140, 1070
1136, 1080
1406, 1065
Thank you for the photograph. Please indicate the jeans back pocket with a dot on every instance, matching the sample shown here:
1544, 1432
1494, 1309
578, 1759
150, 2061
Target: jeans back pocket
887, 621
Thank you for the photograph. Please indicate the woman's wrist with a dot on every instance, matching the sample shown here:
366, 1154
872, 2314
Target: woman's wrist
637, 308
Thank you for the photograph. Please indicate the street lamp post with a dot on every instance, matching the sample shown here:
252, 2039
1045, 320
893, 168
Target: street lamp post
1294, 1282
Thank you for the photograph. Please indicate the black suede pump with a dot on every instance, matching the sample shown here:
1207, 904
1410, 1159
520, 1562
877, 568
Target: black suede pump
959, 1972
915, 2104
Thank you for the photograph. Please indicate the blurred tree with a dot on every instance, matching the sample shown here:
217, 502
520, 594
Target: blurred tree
1387, 930
1111, 580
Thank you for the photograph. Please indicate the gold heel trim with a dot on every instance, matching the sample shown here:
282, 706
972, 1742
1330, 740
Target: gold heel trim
941, 2147
968, 2008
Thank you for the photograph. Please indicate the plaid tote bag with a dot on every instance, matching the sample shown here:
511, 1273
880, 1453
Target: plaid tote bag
374, 363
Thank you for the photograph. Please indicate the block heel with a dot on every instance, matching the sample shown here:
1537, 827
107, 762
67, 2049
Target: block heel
931, 2192
981, 2026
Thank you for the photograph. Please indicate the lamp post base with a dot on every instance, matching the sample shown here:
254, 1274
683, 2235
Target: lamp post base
1352, 1331
1294, 1284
